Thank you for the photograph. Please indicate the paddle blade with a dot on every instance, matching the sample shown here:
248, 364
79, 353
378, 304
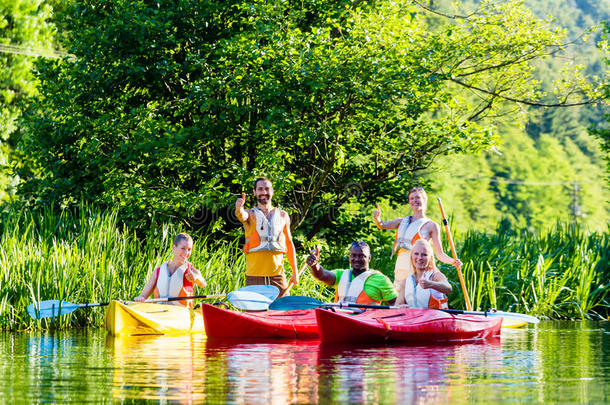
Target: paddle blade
293, 302
248, 300
512, 315
269, 291
51, 308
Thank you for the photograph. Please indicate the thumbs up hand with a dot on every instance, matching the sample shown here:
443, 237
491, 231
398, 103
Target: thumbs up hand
240, 201
377, 213
312, 259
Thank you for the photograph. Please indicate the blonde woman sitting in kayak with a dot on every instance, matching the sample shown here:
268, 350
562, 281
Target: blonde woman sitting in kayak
408, 230
175, 278
427, 287
359, 284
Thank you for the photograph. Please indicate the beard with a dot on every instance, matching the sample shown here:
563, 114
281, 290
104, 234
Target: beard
262, 199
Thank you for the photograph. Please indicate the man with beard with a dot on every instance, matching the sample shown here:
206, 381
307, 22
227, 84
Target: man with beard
268, 239
359, 284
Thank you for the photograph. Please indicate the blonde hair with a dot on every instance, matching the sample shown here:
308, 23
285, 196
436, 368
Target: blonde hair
429, 251
420, 190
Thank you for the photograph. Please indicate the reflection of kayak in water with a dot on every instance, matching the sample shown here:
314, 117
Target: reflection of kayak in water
224, 323
151, 319
405, 325
158, 368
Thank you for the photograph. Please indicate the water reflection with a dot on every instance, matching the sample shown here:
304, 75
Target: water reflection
554, 363
157, 367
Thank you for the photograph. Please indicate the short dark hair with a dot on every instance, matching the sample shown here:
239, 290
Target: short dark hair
261, 179
361, 244
180, 237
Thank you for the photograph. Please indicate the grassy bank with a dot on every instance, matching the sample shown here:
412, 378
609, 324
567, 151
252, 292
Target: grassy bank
88, 257
563, 273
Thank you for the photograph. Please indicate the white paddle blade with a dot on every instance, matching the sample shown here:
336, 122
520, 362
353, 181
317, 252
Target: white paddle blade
516, 316
51, 308
248, 300
269, 291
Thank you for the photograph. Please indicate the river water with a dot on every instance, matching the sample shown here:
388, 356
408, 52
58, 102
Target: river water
553, 362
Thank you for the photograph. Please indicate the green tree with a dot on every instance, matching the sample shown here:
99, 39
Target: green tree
171, 106
25, 33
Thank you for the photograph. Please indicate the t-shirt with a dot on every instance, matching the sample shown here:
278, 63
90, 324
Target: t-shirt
377, 286
265, 263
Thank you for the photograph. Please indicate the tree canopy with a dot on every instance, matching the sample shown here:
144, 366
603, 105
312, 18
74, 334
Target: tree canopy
170, 108
25, 33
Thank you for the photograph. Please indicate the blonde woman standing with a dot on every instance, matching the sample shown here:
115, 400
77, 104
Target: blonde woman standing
408, 230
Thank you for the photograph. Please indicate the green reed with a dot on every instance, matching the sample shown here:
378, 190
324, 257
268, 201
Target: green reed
88, 257
562, 273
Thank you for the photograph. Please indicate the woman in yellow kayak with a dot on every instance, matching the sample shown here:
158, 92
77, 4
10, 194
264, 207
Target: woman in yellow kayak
408, 230
427, 287
176, 277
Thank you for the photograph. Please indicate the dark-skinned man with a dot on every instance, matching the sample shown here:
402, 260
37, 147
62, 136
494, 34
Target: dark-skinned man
359, 284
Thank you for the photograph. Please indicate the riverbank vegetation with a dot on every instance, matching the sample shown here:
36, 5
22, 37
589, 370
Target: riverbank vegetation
89, 257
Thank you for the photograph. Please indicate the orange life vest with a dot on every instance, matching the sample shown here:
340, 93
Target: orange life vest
185, 289
268, 234
404, 234
352, 291
417, 297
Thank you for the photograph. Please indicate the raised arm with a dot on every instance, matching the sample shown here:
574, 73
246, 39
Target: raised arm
393, 224
435, 235
241, 214
325, 276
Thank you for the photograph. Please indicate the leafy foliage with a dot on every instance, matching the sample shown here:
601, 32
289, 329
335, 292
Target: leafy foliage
25, 32
169, 109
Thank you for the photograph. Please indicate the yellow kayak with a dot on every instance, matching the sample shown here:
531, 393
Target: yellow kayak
145, 318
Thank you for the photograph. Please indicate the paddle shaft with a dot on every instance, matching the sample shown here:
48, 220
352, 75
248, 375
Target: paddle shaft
292, 283
524, 317
459, 270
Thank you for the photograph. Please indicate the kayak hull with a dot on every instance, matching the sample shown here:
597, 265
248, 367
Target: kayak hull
227, 324
418, 326
151, 319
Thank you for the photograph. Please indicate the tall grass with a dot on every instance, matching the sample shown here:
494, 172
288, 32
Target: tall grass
563, 273
87, 257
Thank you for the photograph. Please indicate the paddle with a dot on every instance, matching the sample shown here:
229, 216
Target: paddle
53, 308
294, 302
317, 251
459, 270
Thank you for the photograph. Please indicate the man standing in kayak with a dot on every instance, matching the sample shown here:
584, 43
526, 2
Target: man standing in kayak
359, 284
268, 239
427, 287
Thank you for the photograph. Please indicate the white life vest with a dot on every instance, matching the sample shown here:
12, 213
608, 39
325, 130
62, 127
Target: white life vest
170, 286
348, 291
418, 297
408, 233
268, 234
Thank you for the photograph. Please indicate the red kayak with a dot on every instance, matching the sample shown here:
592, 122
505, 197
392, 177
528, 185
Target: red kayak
404, 325
224, 323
